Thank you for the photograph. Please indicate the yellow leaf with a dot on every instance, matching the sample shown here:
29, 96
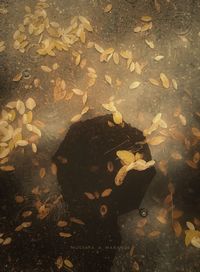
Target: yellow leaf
117, 118
126, 156
156, 140
121, 175
165, 80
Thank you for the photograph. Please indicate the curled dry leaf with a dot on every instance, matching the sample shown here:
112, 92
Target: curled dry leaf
106, 193
191, 164
164, 80
34, 148
7, 168
176, 155
125, 156
196, 157
108, 8
190, 225
17, 77
134, 85
110, 166
162, 216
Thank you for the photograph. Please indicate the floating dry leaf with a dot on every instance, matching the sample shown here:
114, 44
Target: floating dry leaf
20, 107
191, 164
54, 169
177, 228
68, 263
154, 82
89, 195
7, 168
103, 210
76, 118
125, 156
150, 44
65, 234
116, 58
163, 167
196, 132
76, 221
137, 29
27, 214
17, 77
108, 8
154, 233
117, 118
62, 224
7, 241
19, 199
183, 120
190, 225
196, 157
106, 193
85, 110
42, 172
177, 214
162, 216
134, 85
110, 166
174, 83
141, 223
146, 18
158, 58
46, 69
34, 148
21, 143
156, 140
165, 80
121, 175
4, 153
110, 107
108, 79
176, 155
78, 92
30, 103
59, 262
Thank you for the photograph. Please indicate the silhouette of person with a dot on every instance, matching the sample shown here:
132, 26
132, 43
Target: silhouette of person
89, 147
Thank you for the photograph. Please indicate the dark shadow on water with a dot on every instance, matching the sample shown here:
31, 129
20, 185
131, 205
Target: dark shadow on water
88, 147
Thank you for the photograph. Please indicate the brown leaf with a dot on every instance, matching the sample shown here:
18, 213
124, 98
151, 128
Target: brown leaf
162, 216
42, 172
89, 195
54, 169
110, 166
108, 8
196, 132
76, 221
168, 199
19, 199
177, 228
17, 77
196, 157
191, 164
177, 214
65, 234
154, 233
7, 168
141, 223
59, 262
62, 224
26, 214
7, 241
106, 193
68, 263
103, 210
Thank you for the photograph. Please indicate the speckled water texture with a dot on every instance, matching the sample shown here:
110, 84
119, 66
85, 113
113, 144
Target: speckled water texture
176, 36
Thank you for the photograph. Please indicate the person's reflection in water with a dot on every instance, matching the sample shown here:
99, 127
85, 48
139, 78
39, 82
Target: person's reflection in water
88, 147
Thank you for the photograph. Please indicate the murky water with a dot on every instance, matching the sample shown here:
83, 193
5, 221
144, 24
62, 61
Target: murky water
156, 38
